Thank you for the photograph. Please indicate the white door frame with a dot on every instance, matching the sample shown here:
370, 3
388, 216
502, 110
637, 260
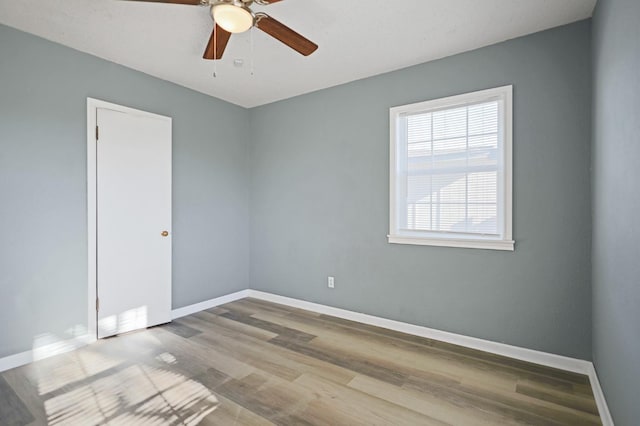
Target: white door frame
92, 116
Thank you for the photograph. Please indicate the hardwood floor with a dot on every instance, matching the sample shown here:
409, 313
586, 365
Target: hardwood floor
252, 362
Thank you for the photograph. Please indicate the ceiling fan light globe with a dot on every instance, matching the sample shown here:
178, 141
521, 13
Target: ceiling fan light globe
234, 19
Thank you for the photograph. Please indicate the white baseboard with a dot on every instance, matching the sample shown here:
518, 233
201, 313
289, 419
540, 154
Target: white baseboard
208, 304
44, 351
598, 394
537, 357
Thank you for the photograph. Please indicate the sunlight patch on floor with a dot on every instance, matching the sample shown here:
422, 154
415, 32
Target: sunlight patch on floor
137, 394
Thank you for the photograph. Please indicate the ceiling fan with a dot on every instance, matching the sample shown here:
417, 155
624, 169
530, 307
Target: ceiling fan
236, 16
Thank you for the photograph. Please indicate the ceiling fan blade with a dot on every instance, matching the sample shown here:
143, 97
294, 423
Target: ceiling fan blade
217, 43
191, 2
285, 34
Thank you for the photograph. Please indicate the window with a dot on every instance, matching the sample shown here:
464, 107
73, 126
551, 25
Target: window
451, 171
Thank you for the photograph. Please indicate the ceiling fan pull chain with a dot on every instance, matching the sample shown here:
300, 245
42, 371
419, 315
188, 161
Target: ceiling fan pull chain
251, 37
215, 49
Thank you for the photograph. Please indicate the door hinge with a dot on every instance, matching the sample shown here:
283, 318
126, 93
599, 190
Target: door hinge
97, 133
97, 304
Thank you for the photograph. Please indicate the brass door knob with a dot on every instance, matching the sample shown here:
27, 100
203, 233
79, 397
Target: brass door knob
165, 233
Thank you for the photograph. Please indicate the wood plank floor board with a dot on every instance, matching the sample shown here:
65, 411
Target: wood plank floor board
247, 344
259, 360
269, 326
218, 310
239, 328
245, 307
181, 329
444, 410
350, 406
252, 362
12, 410
576, 401
28, 394
229, 413
275, 307
270, 398
354, 363
193, 357
427, 365
520, 407
245, 349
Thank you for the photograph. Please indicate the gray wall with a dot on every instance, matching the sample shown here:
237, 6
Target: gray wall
319, 206
616, 201
311, 165
43, 253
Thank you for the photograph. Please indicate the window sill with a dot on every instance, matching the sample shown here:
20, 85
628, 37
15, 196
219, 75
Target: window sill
506, 245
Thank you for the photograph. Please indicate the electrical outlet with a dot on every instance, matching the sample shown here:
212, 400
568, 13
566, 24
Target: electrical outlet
331, 282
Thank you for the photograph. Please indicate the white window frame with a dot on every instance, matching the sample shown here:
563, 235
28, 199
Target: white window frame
502, 242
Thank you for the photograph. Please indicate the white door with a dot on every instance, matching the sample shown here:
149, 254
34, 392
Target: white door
133, 192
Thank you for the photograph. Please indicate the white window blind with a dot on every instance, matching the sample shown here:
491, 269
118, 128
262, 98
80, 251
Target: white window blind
450, 174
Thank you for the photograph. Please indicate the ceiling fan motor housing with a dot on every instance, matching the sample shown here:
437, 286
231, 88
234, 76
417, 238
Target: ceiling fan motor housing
239, 3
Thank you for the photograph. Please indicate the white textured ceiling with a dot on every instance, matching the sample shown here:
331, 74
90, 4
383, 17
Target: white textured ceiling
357, 39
